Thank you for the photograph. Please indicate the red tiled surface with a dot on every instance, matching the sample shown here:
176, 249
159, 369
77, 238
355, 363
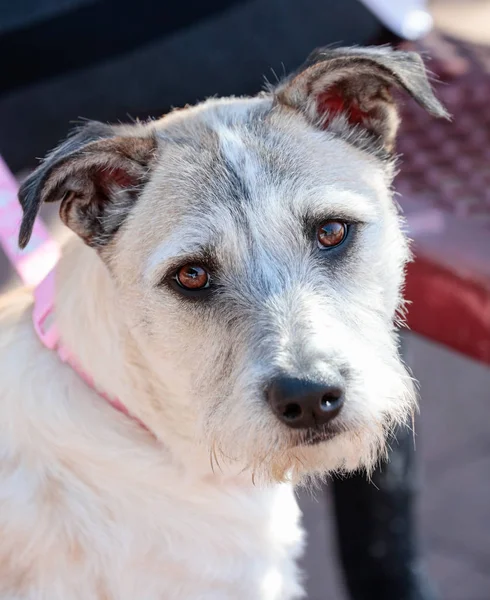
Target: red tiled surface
444, 185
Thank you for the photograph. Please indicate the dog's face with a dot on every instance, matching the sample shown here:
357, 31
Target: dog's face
259, 259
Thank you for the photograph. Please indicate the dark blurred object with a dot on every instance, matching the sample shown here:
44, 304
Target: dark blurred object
105, 59
87, 31
445, 193
380, 554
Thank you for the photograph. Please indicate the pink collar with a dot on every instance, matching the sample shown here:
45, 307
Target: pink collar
36, 267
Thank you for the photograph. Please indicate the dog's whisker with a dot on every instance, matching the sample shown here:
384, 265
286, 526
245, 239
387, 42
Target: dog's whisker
216, 456
413, 428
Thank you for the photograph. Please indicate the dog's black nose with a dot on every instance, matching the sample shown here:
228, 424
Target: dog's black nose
302, 403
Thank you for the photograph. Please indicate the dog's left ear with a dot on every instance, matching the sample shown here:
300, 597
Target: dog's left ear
338, 88
96, 174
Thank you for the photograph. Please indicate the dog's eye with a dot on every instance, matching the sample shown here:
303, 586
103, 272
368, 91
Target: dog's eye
331, 234
192, 278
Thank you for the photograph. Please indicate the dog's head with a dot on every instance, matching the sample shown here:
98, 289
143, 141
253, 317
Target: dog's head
259, 257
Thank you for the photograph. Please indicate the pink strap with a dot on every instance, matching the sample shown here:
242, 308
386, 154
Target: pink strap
35, 266
48, 334
42, 253
36, 262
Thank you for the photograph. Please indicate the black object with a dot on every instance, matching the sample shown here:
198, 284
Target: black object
90, 61
92, 32
376, 529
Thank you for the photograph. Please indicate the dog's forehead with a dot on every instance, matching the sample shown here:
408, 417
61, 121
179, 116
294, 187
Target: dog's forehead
250, 163
254, 141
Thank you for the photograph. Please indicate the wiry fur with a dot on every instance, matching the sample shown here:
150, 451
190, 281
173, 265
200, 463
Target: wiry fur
94, 506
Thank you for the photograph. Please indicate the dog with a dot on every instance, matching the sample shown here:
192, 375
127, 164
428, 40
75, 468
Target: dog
234, 280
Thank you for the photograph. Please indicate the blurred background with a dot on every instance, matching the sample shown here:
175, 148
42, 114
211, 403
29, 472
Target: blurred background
113, 60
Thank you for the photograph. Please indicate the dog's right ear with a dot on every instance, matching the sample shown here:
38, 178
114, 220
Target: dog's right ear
96, 174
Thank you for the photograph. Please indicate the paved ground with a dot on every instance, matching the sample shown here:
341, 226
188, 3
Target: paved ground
467, 19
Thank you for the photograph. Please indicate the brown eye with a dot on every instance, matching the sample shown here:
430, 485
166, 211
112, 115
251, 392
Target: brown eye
192, 277
331, 234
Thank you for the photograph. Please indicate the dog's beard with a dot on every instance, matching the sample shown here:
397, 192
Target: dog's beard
298, 463
245, 437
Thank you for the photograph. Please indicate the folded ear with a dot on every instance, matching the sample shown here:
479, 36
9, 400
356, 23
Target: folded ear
339, 88
95, 174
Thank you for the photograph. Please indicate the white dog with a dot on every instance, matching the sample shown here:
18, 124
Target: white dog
233, 285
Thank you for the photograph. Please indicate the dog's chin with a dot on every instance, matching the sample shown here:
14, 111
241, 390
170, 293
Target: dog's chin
315, 454
276, 454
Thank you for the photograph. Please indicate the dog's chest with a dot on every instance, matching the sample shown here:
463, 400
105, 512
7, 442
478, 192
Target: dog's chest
235, 547
182, 545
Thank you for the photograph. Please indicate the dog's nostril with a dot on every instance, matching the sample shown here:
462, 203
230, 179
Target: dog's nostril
332, 399
292, 411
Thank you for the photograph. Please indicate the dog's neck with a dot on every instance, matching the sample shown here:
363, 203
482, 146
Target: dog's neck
92, 326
